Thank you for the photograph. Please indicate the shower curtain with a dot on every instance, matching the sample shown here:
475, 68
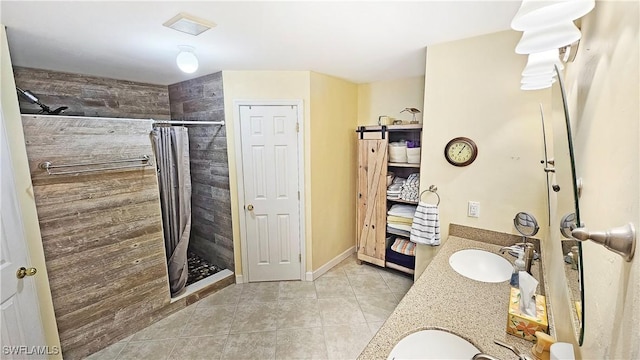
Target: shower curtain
171, 147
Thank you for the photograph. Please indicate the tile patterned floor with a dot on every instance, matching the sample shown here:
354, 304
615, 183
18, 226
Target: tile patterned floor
333, 317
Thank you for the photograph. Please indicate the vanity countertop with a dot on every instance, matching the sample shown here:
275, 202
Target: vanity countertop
443, 299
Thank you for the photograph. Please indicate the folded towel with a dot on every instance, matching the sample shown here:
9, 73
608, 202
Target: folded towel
398, 232
399, 219
410, 188
426, 225
394, 187
397, 226
404, 247
398, 180
402, 210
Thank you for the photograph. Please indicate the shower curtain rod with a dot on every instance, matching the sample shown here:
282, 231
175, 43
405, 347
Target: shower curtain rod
187, 122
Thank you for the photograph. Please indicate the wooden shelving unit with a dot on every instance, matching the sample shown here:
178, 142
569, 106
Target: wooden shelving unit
373, 204
404, 165
403, 201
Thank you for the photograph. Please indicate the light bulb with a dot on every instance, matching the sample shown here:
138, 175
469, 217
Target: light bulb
187, 60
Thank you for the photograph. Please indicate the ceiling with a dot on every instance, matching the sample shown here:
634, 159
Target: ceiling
359, 41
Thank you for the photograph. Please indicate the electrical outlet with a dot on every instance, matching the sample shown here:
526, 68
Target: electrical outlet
474, 209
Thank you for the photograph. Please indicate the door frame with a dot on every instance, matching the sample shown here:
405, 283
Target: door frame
12, 121
240, 177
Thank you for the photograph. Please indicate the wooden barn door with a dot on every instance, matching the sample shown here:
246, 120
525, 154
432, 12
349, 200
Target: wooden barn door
372, 196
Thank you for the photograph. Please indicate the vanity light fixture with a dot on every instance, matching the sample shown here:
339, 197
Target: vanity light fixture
548, 28
187, 60
535, 14
568, 53
542, 62
536, 86
548, 38
543, 78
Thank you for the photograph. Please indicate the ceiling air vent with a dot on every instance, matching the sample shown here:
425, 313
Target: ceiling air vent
189, 24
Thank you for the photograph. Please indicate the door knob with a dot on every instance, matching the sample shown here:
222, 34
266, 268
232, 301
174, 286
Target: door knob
250, 207
23, 271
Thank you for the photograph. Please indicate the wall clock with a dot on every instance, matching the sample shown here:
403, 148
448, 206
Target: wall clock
460, 151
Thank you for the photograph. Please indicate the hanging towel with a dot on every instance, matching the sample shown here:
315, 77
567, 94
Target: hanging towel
426, 225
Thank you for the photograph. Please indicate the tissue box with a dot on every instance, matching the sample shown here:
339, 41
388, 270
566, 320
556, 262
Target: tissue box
522, 325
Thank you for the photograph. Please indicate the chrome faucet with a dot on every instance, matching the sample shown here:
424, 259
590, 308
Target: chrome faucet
509, 248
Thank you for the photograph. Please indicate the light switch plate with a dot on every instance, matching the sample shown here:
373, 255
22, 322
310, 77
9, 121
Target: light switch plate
474, 209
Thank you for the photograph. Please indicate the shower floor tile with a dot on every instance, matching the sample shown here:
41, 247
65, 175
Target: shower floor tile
329, 318
199, 268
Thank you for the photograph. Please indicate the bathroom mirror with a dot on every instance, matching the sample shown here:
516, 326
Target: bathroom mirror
564, 184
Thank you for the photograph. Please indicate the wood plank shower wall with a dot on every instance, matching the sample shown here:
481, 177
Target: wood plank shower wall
87, 95
212, 234
101, 232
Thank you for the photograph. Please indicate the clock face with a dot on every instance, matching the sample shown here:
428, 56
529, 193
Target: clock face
460, 151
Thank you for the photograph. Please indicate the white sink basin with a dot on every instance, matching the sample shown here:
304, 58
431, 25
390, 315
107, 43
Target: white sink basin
433, 344
481, 265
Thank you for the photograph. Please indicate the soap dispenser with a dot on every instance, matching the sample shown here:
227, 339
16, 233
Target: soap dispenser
519, 265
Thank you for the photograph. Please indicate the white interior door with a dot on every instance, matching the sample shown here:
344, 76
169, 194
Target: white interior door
271, 192
19, 310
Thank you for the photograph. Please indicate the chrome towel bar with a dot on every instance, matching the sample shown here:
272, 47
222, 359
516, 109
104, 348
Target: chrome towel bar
48, 166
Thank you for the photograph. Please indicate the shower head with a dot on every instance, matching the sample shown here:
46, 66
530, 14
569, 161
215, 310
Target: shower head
30, 97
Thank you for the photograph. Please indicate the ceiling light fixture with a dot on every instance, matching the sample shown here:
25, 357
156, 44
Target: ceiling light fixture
187, 60
189, 24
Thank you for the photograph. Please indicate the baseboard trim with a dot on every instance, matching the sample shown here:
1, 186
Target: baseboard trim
308, 276
311, 276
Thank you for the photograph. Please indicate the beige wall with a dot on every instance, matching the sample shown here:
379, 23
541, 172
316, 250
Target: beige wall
264, 85
389, 98
603, 89
473, 90
328, 147
22, 178
333, 158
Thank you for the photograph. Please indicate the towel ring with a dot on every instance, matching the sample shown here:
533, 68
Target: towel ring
432, 189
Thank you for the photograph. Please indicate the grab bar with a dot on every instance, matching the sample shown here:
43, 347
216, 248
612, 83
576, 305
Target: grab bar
48, 166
